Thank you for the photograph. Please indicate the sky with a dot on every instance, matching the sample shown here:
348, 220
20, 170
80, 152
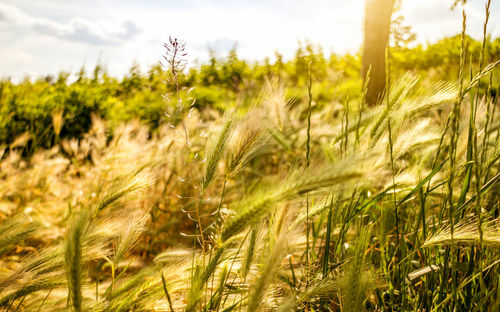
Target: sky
42, 37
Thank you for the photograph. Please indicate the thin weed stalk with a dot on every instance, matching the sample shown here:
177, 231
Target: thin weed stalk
308, 153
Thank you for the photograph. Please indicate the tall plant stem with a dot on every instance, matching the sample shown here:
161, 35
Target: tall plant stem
455, 118
196, 195
308, 154
391, 151
478, 164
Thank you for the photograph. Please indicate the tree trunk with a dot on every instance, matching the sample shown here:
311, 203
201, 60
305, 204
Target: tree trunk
377, 26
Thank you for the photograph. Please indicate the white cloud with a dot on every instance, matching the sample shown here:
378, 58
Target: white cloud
78, 29
10, 14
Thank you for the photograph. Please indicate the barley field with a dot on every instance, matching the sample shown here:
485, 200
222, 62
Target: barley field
238, 186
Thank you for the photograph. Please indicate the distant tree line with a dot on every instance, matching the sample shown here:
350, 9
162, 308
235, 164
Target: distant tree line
30, 106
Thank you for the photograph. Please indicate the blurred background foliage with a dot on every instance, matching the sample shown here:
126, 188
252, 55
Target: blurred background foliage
50, 108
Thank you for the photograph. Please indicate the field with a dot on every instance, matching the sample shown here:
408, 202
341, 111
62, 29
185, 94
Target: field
266, 186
